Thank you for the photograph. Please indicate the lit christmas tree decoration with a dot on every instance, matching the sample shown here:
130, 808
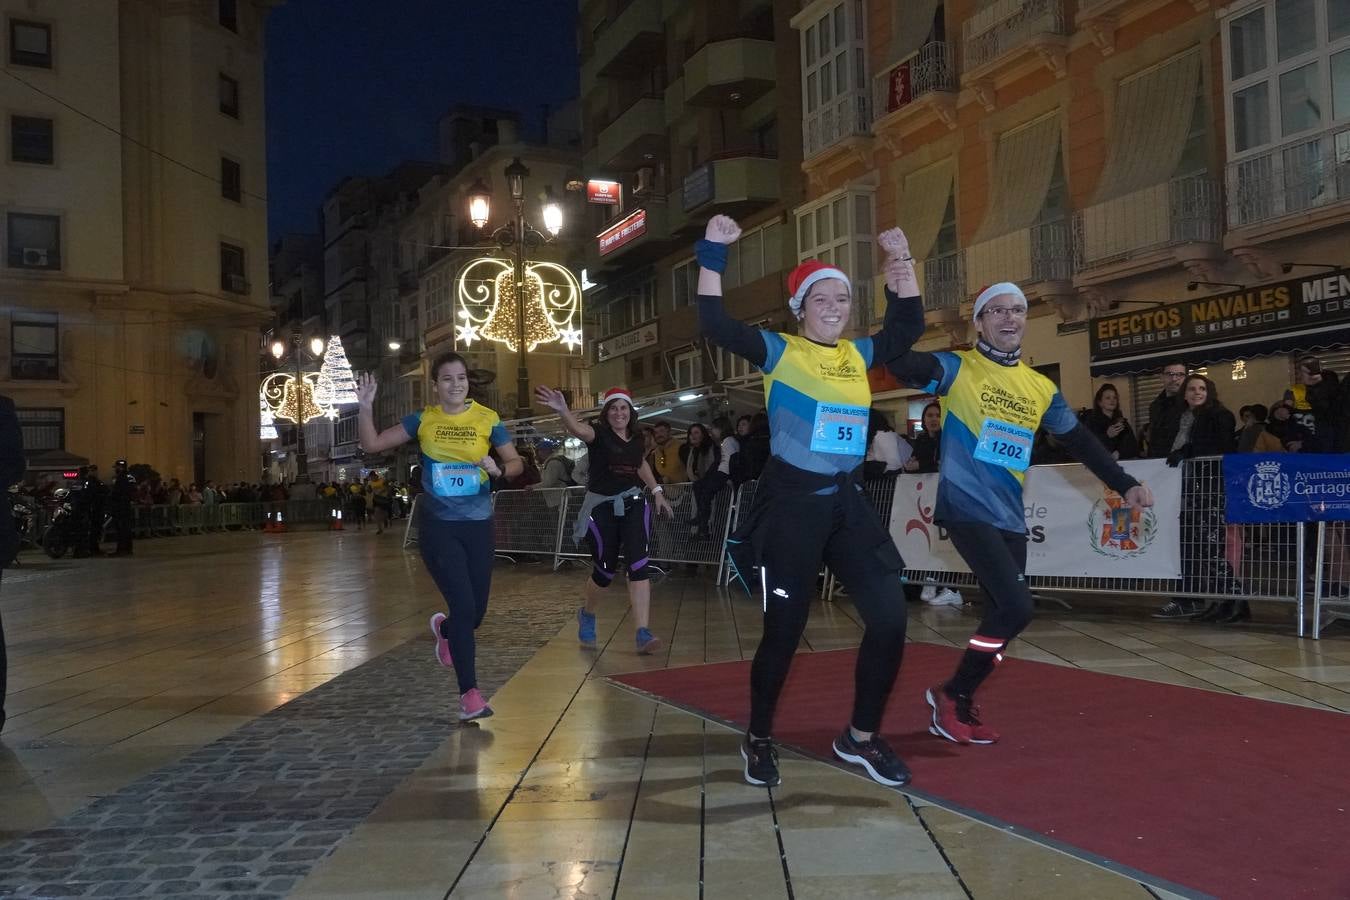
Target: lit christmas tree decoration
267, 429
338, 372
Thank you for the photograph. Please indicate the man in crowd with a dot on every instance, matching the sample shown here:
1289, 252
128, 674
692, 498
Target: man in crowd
1316, 398
1164, 413
665, 459
120, 498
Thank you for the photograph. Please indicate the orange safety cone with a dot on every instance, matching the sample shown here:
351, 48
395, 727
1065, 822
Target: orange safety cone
336, 523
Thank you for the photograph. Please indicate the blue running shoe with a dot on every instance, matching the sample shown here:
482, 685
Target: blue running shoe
585, 627
647, 643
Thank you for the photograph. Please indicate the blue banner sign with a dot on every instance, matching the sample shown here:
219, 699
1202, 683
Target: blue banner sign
1287, 487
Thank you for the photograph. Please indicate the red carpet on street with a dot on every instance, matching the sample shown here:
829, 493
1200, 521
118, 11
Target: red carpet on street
1216, 793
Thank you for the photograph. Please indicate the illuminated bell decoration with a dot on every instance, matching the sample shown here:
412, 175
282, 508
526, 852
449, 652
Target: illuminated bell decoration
501, 323
297, 399
489, 302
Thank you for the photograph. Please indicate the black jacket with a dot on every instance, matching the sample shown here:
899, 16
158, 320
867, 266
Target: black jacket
1211, 434
1164, 417
1124, 445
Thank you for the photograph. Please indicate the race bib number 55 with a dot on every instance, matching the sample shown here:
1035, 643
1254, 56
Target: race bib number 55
1004, 444
839, 429
454, 479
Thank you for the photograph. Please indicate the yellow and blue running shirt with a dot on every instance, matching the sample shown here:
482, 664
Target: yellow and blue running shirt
453, 485
817, 398
990, 413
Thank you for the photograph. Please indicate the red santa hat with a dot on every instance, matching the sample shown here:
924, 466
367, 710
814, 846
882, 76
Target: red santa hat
616, 393
807, 274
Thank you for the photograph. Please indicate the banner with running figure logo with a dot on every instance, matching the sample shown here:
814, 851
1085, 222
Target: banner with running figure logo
1287, 487
1076, 526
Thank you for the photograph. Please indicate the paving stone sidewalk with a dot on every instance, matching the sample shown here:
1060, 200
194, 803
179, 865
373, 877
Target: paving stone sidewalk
252, 814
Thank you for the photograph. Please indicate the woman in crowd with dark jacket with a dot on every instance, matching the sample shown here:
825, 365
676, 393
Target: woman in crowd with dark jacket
927, 443
1214, 564
1109, 424
701, 457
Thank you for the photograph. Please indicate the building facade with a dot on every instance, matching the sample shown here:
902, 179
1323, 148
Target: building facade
689, 109
1111, 156
135, 232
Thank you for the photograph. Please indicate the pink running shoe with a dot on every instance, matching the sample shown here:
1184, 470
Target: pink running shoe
442, 645
473, 706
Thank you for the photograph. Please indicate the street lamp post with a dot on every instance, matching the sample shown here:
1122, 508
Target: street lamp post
278, 351
516, 235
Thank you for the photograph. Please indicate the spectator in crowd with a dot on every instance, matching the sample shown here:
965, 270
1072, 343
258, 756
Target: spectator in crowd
210, 496
1212, 562
174, 493
1283, 426
556, 469
1254, 438
529, 475
706, 488
754, 449
1316, 398
1244, 418
701, 457
1109, 424
928, 442
12, 464
194, 496
666, 460
743, 427
887, 452
1164, 413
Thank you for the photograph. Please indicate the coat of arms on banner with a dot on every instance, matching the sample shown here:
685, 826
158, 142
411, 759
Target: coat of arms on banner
1120, 531
1268, 487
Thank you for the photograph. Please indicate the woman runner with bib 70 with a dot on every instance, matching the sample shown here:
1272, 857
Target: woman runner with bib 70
454, 517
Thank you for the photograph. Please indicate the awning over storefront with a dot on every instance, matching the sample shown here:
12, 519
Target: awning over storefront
1310, 313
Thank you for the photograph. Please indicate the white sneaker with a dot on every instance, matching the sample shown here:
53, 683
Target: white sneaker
947, 597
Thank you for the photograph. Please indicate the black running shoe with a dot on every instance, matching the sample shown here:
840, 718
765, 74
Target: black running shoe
875, 755
761, 762
1180, 609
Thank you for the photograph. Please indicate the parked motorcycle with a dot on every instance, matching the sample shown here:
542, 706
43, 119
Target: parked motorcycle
60, 533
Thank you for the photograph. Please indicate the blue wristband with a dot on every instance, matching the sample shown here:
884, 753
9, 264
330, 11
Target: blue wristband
711, 255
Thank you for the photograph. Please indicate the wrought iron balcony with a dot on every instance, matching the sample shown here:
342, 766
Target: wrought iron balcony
1041, 253
1181, 211
1297, 177
930, 68
944, 281
1008, 25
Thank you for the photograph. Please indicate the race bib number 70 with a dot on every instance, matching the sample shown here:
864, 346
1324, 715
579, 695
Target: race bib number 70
454, 479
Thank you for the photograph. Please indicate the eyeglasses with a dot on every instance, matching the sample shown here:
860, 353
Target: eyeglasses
1174, 374
1005, 312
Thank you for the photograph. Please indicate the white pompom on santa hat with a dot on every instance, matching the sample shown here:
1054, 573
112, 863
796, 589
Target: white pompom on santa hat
807, 274
616, 393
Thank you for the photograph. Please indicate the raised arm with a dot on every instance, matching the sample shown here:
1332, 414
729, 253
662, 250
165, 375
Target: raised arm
371, 440
555, 401
903, 324
713, 320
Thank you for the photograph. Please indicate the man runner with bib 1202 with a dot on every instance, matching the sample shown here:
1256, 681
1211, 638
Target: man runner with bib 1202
993, 403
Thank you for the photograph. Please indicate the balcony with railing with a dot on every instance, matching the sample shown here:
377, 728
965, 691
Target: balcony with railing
638, 130
923, 82
1139, 231
1007, 32
735, 182
1036, 256
1302, 181
627, 44
730, 73
943, 278
837, 124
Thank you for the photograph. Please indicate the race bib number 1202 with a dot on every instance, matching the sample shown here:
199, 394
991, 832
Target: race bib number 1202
1004, 444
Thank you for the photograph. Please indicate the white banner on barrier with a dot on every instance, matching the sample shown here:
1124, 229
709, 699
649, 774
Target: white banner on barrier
1077, 526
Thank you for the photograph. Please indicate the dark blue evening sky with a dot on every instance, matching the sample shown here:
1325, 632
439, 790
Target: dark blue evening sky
356, 86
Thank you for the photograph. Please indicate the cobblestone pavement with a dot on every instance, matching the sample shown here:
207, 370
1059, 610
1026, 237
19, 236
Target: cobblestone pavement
251, 814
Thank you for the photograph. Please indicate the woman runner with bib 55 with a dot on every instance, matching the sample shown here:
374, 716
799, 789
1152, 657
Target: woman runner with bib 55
454, 517
809, 505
